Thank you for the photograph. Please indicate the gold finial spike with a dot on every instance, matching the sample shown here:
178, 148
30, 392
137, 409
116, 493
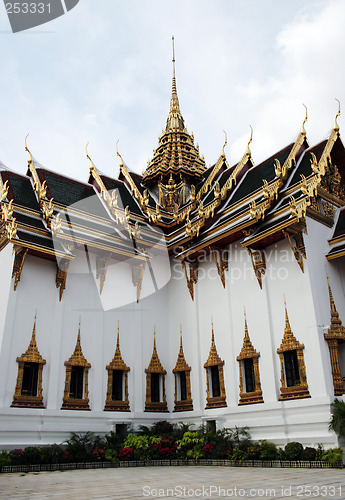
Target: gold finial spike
118, 336
27, 149
331, 300
287, 322
173, 52
336, 126
181, 346
118, 154
304, 121
246, 334
154, 338
248, 152
78, 338
212, 338
225, 143
34, 328
174, 102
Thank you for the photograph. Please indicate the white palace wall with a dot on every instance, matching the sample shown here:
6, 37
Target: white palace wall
305, 420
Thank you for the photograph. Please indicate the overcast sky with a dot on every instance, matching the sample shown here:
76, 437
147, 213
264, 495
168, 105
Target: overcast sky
102, 73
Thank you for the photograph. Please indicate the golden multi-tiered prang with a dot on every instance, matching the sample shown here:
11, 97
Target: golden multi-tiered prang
176, 153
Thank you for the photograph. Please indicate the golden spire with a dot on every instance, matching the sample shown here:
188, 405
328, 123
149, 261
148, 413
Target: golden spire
246, 334
174, 103
118, 336
287, 322
33, 344
304, 121
213, 358
336, 126
32, 354
181, 346
331, 300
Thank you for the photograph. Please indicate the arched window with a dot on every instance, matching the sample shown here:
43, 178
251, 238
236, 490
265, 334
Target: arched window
28, 392
155, 383
250, 387
117, 388
76, 394
183, 397
293, 374
216, 397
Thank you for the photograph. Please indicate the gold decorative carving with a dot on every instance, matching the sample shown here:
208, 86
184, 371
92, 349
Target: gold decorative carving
155, 367
117, 363
56, 224
290, 343
193, 276
61, 275
258, 262
298, 248
102, 263
182, 367
335, 336
48, 209
31, 355
248, 352
76, 360
329, 209
214, 360
4, 191
223, 264
137, 277
20, 254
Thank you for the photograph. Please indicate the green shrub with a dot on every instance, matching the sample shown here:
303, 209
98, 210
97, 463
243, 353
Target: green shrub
140, 446
309, 453
268, 450
293, 451
32, 455
51, 454
79, 447
333, 455
111, 455
16, 456
5, 458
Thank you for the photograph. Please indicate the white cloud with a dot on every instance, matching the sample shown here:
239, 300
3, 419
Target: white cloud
105, 74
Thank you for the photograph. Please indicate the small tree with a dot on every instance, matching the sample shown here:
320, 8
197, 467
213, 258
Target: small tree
337, 422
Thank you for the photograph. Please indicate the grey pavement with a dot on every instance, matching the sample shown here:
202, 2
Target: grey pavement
176, 482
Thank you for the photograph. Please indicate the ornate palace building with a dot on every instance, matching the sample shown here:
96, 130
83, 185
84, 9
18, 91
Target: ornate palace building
188, 293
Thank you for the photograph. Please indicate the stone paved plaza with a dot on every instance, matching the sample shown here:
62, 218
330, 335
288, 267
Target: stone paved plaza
175, 482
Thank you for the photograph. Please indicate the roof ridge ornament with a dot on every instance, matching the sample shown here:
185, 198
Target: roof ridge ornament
336, 126
303, 132
118, 154
92, 166
248, 152
225, 143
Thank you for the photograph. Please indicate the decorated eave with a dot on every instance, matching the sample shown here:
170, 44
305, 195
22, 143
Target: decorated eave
337, 239
242, 202
272, 199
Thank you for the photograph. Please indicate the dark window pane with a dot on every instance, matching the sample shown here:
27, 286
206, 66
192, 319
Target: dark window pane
215, 381
30, 379
117, 391
249, 374
155, 397
183, 385
291, 368
76, 385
